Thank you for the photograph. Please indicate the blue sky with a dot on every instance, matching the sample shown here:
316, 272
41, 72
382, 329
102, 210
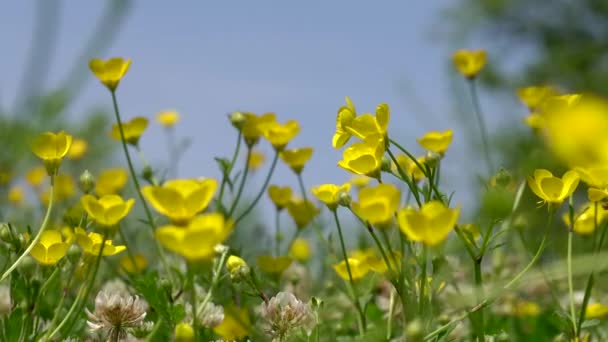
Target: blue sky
298, 59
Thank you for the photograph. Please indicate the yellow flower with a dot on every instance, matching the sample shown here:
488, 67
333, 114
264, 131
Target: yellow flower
437, 142
235, 326
184, 332
234, 263
108, 210
360, 181
596, 310
358, 269
346, 114
364, 158
526, 309
68, 234
256, 160
296, 158
375, 262
368, 125
584, 220
300, 250
302, 212
431, 224
132, 130
410, 168
78, 149
576, 131
469, 62
280, 196
552, 189
535, 121
181, 199
167, 118
91, 243
111, 71
197, 240
16, 195
64, 187
36, 176
377, 205
137, 264
330, 193
50, 248
534, 96
279, 135
51, 148
111, 181
273, 265
597, 179
254, 126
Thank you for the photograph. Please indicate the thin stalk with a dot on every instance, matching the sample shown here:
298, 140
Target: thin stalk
350, 276
423, 266
389, 322
410, 183
129, 251
216, 278
193, 301
277, 232
315, 222
262, 190
43, 226
239, 192
570, 285
159, 249
226, 177
56, 314
481, 123
480, 314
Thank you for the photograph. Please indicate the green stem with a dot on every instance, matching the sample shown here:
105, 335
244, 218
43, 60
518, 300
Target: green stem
481, 123
423, 281
315, 222
277, 232
370, 229
226, 176
137, 185
129, 252
43, 226
410, 183
239, 192
479, 285
570, 285
350, 276
216, 277
261, 192
58, 309
193, 301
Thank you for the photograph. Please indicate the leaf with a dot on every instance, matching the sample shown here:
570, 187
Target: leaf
156, 297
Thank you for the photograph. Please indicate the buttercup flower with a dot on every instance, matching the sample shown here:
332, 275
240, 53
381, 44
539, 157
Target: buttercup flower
535, 121
358, 269
410, 168
254, 126
360, 181
296, 158
273, 265
597, 179
284, 314
115, 313
431, 224
111, 71
330, 193
16, 195
181, 199
236, 324
35, 176
525, 308
184, 332
167, 118
437, 142
369, 258
197, 240
596, 310
469, 62
133, 265
377, 205
132, 130
534, 96
551, 189
108, 210
300, 250
280, 196
111, 181
346, 114
279, 135
234, 263
50, 248
584, 219
256, 160
91, 243
78, 149
368, 125
302, 212
51, 148
364, 158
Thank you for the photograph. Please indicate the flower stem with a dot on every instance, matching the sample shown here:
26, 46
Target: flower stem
570, 285
43, 226
216, 277
262, 190
239, 192
137, 185
481, 123
479, 285
423, 281
277, 232
410, 183
226, 176
350, 277
193, 301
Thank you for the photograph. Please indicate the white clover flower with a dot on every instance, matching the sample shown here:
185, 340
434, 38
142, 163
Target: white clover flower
285, 313
211, 316
114, 313
6, 302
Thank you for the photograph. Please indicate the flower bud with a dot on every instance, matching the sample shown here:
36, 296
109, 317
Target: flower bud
5, 232
27, 265
238, 268
237, 119
221, 249
431, 159
6, 302
414, 330
184, 332
386, 165
502, 178
86, 182
74, 253
344, 199
148, 174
